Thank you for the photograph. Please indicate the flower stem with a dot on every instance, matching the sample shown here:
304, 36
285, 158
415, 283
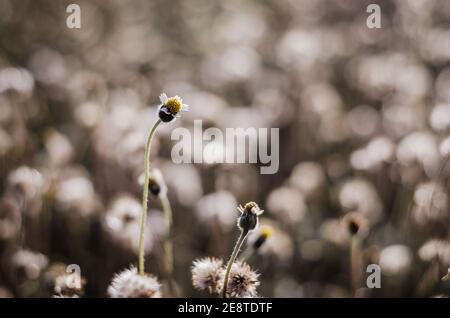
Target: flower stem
168, 246
145, 197
249, 252
235, 253
355, 264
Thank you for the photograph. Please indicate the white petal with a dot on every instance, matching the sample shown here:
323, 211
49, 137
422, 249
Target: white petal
185, 108
163, 98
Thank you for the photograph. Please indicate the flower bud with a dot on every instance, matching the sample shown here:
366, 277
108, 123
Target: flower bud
249, 216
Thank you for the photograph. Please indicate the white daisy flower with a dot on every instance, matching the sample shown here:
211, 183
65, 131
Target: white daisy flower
170, 108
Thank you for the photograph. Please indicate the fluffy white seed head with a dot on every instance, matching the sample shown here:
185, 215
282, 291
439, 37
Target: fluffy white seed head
129, 284
243, 281
207, 274
69, 285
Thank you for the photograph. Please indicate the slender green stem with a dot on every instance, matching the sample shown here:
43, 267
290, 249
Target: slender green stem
145, 198
355, 264
235, 253
168, 246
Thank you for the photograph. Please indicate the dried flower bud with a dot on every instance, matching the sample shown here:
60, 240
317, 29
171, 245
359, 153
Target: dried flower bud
129, 284
170, 108
356, 223
156, 184
206, 274
249, 216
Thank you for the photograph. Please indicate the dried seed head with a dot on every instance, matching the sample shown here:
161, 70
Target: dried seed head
28, 263
249, 216
356, 224
121, 222
69, 286
25, 182
206, 274
243, 281
435, 249
170, 108
154, 187
129, 284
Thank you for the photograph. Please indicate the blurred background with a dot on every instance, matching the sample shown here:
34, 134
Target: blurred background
364, 119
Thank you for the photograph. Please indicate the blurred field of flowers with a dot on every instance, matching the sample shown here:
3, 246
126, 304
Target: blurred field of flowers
364, 119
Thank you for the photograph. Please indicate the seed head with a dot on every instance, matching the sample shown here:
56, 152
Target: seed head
129, 284
29, 263
206, 274
170, 108
435, 249
243, 281
69, 286
249, 216
121, 222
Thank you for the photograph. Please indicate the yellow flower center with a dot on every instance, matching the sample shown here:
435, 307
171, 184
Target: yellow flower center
266, 231
174, 104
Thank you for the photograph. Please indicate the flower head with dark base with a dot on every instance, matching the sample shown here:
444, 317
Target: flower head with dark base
249, 216
170, 108
168, 111
356, 224
247, 222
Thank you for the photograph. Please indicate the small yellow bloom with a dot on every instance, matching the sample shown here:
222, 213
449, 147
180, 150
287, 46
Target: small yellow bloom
266, 231
174, 104
170, 108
